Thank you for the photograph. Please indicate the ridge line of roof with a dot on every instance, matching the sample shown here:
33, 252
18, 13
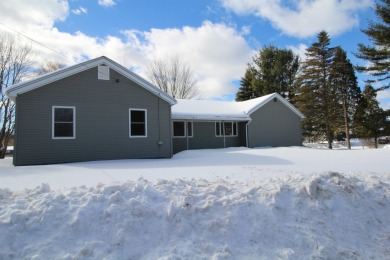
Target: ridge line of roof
25, 86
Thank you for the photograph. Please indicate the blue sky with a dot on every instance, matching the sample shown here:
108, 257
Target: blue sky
217, 37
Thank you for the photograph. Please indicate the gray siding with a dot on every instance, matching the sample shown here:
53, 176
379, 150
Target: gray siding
274, 124
102, 121
204, 138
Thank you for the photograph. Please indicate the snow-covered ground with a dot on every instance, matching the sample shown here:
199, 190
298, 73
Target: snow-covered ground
236, 203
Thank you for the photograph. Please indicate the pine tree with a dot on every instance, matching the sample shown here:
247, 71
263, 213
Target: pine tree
276, 71
247, 91
378, 54
370, 119
272, 70
343, 80
316, 97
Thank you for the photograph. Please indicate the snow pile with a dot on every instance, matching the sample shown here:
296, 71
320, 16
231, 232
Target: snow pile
328, 216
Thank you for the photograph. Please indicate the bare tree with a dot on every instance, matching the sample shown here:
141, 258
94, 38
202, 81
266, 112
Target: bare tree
173, 76
49, 66
15, 61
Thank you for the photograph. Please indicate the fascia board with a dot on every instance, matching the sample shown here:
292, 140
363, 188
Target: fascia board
209, 117
29, 85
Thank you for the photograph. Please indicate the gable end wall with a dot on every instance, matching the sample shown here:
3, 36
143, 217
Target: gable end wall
274, 124
102, 121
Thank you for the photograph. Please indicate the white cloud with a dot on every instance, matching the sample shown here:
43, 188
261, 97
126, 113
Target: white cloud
218, 53
106, 3
306, 17
80, 10
24, 15
384, 98
300, 50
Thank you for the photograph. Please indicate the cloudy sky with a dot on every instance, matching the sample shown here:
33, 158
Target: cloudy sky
217, 37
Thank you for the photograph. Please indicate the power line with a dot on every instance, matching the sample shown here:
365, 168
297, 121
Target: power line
43, 45
31, 39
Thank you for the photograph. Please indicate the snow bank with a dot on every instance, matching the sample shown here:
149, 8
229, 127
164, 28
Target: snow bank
328, 216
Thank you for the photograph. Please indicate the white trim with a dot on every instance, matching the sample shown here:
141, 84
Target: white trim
185, 129
146, 123
192, 129
29, 85
53, 123
247, 132
207, 118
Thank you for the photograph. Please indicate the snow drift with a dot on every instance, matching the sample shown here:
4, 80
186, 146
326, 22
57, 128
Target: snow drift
328, 215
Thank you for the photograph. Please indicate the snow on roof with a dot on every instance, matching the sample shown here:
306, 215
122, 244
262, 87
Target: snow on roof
207, 110
223, 110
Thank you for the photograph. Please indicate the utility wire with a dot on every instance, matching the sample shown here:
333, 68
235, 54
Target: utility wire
43, 45
31, 39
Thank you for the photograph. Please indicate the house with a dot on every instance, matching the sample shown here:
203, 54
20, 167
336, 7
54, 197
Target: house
96, 110
265, 121
99, 110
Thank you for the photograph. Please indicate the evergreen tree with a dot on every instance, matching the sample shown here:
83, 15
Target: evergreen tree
378, 54
370, 119
344, 82
316, 97
276, 71
272, 70
247, 91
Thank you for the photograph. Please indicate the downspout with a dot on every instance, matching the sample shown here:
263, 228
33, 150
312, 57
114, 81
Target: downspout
186, 132
15, 151
247, 132
224, 137
159, 143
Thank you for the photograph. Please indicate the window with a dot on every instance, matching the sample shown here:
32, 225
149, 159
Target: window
138, 123
179, 129
218, 128
226, 128
64, 122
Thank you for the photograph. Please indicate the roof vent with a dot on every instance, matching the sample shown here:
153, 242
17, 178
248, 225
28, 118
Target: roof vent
275, 99
103, 73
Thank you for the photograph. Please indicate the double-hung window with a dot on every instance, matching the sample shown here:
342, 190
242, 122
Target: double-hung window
138, 123
182, 129
226, 128
63, 122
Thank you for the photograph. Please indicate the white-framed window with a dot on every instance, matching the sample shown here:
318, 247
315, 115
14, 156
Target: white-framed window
63, 122
226, 129
103, 72
181, 129
138, 125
